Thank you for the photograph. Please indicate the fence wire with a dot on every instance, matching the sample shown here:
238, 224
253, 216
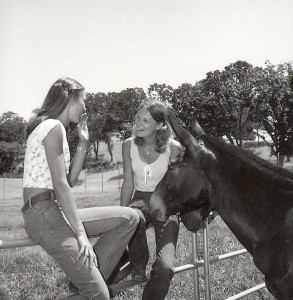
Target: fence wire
89, 182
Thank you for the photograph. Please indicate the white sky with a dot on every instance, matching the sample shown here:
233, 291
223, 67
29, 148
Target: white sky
110, 45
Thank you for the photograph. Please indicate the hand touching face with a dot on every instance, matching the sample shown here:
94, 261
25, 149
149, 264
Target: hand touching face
83, 132
77, 108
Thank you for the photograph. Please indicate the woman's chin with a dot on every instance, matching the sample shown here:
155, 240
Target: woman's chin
139, 133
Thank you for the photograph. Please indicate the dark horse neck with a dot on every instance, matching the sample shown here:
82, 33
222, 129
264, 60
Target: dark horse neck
250, 195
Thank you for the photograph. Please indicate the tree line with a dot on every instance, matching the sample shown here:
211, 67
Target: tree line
239, 102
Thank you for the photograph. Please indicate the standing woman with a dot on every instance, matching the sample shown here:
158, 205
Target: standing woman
146, 157
51, 217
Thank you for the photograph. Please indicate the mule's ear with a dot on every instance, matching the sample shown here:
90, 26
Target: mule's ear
184, 136
197, 131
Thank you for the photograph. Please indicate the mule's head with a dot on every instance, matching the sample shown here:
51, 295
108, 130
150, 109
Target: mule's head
184, 187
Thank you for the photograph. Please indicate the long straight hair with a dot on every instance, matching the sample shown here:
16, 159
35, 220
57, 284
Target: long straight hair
158, 112
63, 90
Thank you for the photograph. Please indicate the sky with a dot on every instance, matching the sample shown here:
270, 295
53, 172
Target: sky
111, 45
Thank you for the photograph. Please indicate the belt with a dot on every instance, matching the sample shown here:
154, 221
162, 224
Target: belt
48, 195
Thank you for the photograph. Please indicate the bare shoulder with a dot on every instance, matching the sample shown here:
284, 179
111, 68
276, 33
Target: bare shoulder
175, 149
54, 136
126, 145
175, 146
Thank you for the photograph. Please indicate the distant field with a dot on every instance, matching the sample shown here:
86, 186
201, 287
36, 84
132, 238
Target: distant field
30, 274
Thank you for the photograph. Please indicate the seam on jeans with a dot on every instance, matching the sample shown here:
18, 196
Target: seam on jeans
77, 266
160, 235
126, 221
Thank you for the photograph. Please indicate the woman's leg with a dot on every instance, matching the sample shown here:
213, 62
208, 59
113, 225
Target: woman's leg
114, 225
139, 251
45, 224
162, 271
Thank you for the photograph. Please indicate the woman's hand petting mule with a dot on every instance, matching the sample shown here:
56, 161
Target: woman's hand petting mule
86, 251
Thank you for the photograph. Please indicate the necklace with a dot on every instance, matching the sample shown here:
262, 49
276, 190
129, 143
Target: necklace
147, 152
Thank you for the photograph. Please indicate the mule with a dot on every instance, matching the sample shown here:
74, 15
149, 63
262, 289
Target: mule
253, 197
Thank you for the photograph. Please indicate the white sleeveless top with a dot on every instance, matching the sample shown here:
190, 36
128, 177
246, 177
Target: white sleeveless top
36, 170
147, 176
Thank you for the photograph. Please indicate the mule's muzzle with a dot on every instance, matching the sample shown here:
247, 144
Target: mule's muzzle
158, 215
157, 208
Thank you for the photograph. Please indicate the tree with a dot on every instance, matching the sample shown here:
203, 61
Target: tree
161, 92
12, 128
9, 153
98, 110
228, 100
125, 105
274, 107
222, 102
185, 103
12, 137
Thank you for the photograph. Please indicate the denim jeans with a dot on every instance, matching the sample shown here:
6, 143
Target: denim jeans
113, 226
166, 235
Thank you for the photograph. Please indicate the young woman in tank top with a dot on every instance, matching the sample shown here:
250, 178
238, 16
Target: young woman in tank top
146, 157
51, 217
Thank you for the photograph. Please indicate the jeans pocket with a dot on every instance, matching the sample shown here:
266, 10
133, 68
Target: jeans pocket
31, 227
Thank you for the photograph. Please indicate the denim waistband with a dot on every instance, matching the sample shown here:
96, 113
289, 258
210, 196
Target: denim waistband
47, 195
145, 196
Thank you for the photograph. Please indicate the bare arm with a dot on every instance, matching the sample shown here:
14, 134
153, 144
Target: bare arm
53, 143
128, 182
79, 155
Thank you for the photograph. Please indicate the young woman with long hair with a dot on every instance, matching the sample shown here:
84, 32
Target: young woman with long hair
146, 157
51, 217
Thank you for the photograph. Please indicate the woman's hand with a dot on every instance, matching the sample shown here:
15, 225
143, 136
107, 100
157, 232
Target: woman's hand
86, 251
83, 132
139, 206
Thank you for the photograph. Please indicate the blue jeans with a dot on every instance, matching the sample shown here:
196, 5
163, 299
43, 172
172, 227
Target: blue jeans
166, 239
113, 226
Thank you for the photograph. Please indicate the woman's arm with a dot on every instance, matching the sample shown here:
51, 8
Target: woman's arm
53, 143
128, 182
79, 155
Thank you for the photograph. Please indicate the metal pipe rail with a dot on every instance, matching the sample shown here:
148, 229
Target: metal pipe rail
211, 260
24, 242
205, 263
247, 292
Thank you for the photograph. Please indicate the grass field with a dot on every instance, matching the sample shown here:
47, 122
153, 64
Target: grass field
30, 274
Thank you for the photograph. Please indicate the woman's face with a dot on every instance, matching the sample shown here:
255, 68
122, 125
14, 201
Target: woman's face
77, 108
144, 124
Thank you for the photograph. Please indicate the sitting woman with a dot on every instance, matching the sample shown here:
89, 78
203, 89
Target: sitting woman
51, 217
146, 157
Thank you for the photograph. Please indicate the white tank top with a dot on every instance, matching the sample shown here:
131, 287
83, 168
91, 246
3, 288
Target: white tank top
147, 176
36, 170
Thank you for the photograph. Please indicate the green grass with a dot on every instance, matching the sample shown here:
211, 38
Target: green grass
30, 274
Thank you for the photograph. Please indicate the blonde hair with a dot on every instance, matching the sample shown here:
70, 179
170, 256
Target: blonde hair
158, 112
